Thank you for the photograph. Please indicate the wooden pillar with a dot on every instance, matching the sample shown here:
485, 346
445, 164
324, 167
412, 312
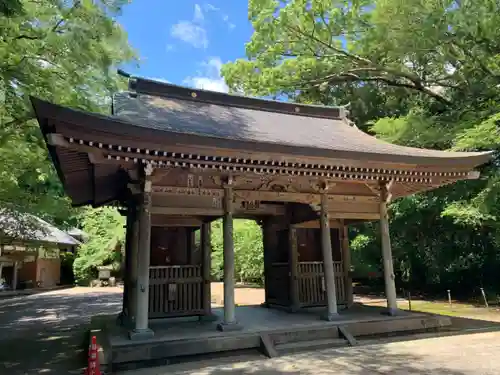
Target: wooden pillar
190, 242
266, 236
141, 330
389, 278
326, 247
346, 262
293, 263
229, 322
14, 277
134, 253
126, 266
206, 253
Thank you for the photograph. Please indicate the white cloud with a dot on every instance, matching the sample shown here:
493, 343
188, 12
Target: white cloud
209, 77
210, 7
198, 14
209, 84
190, 33
225, 18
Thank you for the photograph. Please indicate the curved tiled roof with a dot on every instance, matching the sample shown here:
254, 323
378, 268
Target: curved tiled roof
167, 118
208, 114
28, 227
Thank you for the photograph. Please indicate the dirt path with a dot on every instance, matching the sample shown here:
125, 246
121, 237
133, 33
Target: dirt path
44, 333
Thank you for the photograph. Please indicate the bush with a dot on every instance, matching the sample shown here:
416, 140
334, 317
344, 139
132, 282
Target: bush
104, 227
248, 249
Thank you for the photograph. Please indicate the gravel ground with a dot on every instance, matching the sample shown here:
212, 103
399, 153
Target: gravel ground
43, 333
475, 354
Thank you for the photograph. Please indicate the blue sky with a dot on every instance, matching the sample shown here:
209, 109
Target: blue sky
184, 41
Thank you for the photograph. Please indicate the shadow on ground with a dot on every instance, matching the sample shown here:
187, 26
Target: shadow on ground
456, 353
46, 333
364, 360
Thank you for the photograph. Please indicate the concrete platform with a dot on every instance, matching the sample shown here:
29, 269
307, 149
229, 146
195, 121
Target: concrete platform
271, 331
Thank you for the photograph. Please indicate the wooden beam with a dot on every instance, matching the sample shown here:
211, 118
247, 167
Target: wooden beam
314, 224
175, 221
354, 215
263, 209
95, 155
308, 198
356, 166
186, 211
55, 139
255, 195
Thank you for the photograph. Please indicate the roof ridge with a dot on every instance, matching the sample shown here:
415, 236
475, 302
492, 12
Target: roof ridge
139, 85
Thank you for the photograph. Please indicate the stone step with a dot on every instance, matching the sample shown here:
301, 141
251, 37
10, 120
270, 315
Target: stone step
304, 334
299, 346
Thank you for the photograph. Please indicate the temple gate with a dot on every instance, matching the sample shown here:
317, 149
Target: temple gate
175, 159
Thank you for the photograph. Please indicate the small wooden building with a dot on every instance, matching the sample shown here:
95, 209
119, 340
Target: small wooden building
176, 158
30, 251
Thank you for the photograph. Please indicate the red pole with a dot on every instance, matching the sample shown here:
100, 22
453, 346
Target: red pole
93, 361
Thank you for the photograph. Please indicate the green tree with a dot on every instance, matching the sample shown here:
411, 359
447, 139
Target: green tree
106, 238
61, 51
422, 73
248, 249
424, 46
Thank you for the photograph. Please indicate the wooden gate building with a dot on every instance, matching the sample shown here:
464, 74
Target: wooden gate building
175, 159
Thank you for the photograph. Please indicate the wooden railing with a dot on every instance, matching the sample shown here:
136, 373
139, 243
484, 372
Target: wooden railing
175, 291
312, 283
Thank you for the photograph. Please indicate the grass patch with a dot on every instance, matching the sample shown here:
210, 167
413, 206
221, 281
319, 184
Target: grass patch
443, 308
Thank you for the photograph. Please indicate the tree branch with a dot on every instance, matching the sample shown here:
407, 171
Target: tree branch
416, 82
54, 29
19, 120
352, 77
30, 37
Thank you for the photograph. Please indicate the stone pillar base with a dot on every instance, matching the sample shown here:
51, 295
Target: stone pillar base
141, 334
330, 317
391, 312
228, 327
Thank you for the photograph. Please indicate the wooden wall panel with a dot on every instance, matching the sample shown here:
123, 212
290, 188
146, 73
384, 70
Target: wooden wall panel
49, 272
168, 246
309, 244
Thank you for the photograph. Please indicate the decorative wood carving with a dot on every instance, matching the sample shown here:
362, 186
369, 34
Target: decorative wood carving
250, 205
174, 190
249, 195
217, 180
253, 195
217, 202
160, 174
